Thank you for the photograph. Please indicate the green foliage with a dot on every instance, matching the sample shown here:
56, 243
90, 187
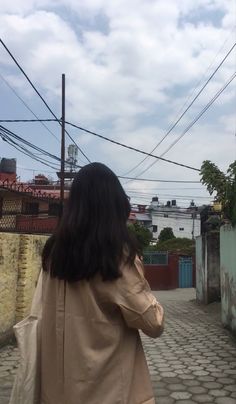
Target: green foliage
143, 235
178, 245
166, 234
224, 185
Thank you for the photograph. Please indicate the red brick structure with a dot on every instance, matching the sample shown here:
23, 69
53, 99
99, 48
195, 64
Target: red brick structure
166, 277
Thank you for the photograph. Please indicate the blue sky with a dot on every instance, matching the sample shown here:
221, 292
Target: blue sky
130, 67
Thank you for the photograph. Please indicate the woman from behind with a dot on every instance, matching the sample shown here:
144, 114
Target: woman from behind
95, 299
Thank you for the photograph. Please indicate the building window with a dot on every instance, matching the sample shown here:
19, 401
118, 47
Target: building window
30, 208
54, 209
154, 228
166, 215
181, 229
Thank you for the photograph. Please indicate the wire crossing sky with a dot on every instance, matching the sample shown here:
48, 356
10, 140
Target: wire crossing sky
131, 72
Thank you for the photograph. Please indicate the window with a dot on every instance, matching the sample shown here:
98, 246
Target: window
154, 228
30, 208
166, 215
181, 229
155, 258
54, 209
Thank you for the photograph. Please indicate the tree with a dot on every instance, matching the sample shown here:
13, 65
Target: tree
185, 246
166, 234
224, 185
143, 235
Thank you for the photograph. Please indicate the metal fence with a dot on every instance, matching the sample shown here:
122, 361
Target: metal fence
155, 258
28, 216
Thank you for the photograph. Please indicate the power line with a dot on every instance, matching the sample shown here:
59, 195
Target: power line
189, 106
156, 190
173, 196
40, 96
26, 152
193, 122
36, 169
155, 180
130, 147
27, 120
5, 130
143, 194
107, 139
6, 133
27, 106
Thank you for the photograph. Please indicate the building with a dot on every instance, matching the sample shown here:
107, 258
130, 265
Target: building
7, 169
141, 215
43, 185
24, 208
185, 222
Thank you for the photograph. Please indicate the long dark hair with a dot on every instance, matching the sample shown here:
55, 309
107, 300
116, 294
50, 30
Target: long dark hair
92, 236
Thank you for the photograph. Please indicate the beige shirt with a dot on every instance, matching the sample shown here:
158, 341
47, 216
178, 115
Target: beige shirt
91, 348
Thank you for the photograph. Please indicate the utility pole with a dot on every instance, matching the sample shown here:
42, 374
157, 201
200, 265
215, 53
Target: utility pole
62, 183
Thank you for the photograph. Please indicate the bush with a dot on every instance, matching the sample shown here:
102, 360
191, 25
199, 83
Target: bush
177, 245
143, 235
166, 234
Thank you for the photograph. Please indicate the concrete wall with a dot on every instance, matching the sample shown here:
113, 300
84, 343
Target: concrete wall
208, 268
20, 262
9, 253
200, 270
228, 276
213, 267
182, 226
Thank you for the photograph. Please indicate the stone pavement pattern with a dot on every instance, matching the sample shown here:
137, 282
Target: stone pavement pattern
195, 359
193, 362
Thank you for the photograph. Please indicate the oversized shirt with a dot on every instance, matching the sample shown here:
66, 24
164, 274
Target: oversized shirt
91, 348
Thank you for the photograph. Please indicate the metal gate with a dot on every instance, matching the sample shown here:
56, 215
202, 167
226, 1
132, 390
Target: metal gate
185, 272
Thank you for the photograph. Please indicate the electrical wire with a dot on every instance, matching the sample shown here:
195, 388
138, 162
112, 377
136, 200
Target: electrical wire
41, 97
5, 130
26, 152
216, 96
130, 147
186, 110
6, 133
155, 180
107, 139
27, 106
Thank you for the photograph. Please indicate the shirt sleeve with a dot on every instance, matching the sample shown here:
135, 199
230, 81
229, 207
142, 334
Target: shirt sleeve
138, 305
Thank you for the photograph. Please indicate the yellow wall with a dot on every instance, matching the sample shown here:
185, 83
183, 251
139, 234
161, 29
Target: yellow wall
20, 262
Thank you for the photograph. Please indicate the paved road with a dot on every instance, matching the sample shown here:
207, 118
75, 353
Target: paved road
193, 362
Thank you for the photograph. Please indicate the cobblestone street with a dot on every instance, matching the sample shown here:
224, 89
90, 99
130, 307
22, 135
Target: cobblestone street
193, 362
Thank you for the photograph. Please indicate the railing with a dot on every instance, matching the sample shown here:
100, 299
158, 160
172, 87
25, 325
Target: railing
19, 217
155, 258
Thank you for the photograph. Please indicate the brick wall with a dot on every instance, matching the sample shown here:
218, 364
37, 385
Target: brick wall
20, 262
163, 277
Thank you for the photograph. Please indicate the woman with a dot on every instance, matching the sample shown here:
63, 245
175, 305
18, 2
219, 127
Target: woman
95, 298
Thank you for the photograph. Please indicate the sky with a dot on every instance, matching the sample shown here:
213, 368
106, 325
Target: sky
131, 68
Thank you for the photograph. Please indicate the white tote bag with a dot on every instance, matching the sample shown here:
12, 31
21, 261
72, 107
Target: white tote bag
26, 388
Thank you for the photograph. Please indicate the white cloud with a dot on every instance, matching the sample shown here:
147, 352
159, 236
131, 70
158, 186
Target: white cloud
123, 63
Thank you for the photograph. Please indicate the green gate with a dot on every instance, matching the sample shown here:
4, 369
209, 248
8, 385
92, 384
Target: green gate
185, 272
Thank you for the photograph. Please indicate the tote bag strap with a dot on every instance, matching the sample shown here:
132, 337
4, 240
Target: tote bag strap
61, 300
36, 307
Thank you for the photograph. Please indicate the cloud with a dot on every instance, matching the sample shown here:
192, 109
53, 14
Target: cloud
129, 67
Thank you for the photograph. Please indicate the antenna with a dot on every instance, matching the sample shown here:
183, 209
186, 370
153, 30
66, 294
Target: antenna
72, 151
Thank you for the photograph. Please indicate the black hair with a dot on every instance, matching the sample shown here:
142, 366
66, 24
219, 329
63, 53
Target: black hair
92, 236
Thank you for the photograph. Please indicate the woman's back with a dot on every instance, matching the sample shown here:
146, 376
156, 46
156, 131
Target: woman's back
91, 349
95, 298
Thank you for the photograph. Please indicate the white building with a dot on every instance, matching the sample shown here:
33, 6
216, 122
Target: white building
185, 222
